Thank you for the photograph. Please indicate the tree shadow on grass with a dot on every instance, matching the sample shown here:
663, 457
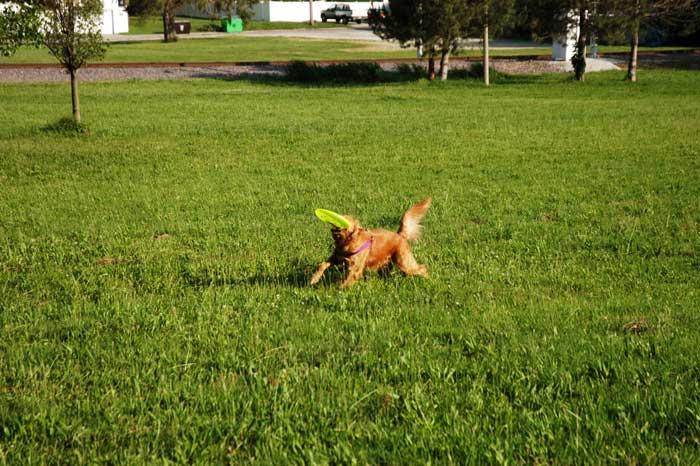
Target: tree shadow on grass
316, 75
296, 275
66, 127
358, 74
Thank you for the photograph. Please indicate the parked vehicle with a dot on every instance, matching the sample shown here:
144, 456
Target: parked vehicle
341, 13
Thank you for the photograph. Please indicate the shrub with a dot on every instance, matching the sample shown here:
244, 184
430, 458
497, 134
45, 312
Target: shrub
476, 71
299, 71
411, 71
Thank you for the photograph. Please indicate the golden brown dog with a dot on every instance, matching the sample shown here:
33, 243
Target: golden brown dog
361, 249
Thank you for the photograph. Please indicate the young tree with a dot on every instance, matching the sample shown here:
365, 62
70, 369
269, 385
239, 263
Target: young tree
69, 29
550, 18
19, 25
449, 23
403, 21
491, 16
166, 10
163, 8
435, 25
632, 15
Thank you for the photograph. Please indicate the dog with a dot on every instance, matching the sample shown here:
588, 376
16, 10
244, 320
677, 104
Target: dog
359, 249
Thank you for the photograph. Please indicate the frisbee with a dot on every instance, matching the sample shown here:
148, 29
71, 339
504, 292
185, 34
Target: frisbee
331, 217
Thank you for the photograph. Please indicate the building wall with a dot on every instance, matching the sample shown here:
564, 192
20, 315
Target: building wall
281, 11
563, 44
115, 19
299, 11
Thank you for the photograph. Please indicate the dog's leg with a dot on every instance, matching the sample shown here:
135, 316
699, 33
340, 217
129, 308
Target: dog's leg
356, 267
407, 263
319, 272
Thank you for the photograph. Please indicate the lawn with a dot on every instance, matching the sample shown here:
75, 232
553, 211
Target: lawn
241, 48
237, 48
153, 297
154, 25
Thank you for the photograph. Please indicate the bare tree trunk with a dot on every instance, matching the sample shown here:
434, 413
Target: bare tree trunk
75, 97
169, 34
444, 64
579, 59
487, 59
431, 67
311, 12
632, 65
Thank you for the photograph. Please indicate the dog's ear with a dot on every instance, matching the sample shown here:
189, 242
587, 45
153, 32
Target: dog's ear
354, 228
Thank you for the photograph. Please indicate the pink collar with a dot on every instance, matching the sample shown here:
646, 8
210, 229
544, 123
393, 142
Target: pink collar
366, 245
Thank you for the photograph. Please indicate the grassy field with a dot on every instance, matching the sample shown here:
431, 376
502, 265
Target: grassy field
153, 298
237, 48
154, 25
244, 49
228, 49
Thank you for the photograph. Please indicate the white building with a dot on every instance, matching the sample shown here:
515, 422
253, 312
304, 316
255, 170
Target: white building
115, 19
563, 44
271, 10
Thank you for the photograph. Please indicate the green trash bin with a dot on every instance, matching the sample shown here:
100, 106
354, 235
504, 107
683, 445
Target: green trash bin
232, 24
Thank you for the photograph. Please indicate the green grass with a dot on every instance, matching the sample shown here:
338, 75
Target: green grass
227, 49
245, 49
237, 48
562, 213
154, 25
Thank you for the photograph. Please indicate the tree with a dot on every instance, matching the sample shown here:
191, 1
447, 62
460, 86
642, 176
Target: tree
163, 8
632, 15
69, 29
19, 25
449, 22
435, 25
491, 16
403, 21
550, 18
166, 10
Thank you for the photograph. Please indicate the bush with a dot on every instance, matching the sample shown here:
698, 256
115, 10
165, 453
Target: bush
411, 71
299, 71
476, 71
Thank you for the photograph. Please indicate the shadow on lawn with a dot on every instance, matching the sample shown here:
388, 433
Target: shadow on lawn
296, 275
312, 74
67, 127
357, 74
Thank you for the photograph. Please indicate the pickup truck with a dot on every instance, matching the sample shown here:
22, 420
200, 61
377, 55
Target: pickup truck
340, 12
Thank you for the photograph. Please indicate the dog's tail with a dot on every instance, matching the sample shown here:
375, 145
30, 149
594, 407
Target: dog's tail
410, 222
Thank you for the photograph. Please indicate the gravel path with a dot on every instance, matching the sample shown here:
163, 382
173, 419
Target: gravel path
225, 71
51, 74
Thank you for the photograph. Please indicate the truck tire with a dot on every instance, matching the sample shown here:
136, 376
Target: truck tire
323, 18
345, 20
337, 20
358, 21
